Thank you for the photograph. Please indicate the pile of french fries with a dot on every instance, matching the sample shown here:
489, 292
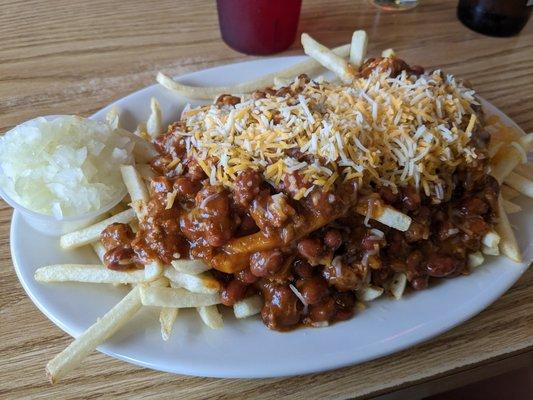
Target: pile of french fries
188, 283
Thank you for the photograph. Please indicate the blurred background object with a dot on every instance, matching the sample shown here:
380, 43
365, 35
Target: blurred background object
395, 5
494, 17
258, 26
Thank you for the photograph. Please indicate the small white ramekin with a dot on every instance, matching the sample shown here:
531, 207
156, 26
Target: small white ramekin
49, 224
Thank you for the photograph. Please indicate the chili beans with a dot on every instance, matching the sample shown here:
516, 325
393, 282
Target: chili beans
441, 265
265, 263
333, 239
282, 309
227, 100
116, 235
233, 292
186, 188
303, 269
247, 187
313, 289
120, 258
323, 311
311, 249
343, 275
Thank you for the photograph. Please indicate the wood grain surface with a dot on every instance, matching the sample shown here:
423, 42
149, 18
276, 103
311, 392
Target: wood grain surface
74, 57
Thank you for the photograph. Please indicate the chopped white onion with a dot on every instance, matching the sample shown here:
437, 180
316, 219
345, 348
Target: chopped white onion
64, 167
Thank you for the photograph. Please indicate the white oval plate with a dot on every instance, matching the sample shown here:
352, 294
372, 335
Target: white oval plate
246, 348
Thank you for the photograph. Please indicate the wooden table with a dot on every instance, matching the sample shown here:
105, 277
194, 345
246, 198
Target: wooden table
74, 56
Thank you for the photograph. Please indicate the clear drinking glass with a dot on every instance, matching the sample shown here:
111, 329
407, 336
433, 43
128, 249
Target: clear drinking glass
395, 5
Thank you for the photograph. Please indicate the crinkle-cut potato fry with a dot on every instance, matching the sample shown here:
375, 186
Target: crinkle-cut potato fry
136, 188
369, 293
508, 192
191, 267
491, 239
88, 273
167, 317
101, 330
327, 58
113, 117
358, 48
92, 233
201, 283
143, 151
508, 245
518, 182
475, 259
211, 316
309, 66
397, 285
248, 307
153, 125
510, 207
176, 297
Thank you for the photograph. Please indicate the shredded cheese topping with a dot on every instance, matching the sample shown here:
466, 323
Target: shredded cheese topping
380, 129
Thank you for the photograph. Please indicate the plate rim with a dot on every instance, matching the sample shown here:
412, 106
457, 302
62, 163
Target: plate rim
445, 323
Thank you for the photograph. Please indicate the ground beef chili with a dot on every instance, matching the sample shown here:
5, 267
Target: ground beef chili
325, 251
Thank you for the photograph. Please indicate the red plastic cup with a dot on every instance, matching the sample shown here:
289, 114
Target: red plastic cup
258, 26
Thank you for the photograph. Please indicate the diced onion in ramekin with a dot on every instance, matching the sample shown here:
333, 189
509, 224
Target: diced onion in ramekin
63, 167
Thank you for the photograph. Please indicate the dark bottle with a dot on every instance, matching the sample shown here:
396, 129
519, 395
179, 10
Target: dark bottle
494, 17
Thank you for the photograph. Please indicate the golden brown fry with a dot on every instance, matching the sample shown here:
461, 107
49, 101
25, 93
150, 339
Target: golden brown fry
327, 58
100, 331
309, 66
518, 182
508, 192
508, 244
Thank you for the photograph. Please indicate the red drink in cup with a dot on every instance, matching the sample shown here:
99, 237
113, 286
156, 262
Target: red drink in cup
258, 26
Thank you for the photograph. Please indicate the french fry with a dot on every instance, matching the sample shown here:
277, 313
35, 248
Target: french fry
526, 170
475, 259
369, 293
152, 271
191, 267
99, 249
490, 251
309, 66
153, 125
202, 283
146, 172
87, 273
390, 217
92, 233
327, 58
136, 189
113, 117
100, 331
144, 151
210, 316
508, 192
388, 53
510, 207
491, 239
358, 48
176, 297
518, 182
248, 307
504, 162
167, 317
508, 245
397, 285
